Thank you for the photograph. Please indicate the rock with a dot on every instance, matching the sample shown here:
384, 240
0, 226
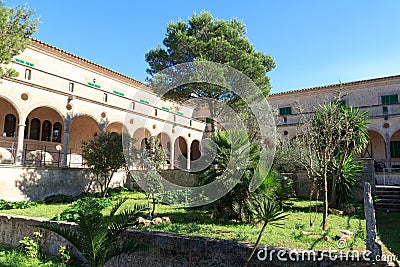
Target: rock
346, 232
335, 211
306, 233
316, 236
327, 238
166, 219
157, 220
343, 237
143, 221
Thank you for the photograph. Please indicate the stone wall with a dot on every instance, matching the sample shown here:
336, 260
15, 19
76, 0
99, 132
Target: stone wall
35, 183
168, 249
302, 184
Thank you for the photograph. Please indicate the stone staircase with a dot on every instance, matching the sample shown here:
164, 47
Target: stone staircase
387, 198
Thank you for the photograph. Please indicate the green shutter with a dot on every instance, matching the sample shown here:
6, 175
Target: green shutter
285, 111
208, 120
24, 62
395, 149
385, 109
144, 101
179, 113
118, 93
165, 108
94, 85
390, 99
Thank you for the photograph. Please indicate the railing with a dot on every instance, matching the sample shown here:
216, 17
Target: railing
8, 151
50, 155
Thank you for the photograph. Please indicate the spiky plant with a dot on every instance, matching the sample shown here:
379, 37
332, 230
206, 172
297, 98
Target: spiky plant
265, 211
98, 236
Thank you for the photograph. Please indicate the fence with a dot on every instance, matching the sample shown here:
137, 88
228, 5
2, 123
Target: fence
46, 155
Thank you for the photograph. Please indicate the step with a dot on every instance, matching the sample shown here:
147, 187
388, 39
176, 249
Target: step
388, 196
387, 188
387, 200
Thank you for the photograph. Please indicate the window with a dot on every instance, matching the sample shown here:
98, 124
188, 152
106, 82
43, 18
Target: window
132, 105
10, 124
285, 119
208, 120
28, 74
35, 129
385, 110
285, 111
71, 87
190, 123
389, 99
155, 112
57, 128
395, 149
105, 97
46, 131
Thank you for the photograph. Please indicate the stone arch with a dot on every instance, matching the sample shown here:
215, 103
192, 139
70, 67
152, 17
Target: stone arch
376, 147
195, 152
141, 135
8, 108
395, 149
116, 127
83, 128
39, 124
181, 149
165, 142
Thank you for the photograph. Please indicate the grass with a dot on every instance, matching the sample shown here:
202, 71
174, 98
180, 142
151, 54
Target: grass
389, 231
12, 257
296, 232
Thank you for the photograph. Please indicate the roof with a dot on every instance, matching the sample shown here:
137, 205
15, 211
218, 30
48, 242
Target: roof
87, 63
337, 85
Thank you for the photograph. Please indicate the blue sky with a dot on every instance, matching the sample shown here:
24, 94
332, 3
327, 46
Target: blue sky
312, 42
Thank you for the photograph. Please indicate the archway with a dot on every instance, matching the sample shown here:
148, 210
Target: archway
375, 148
9, 119
180, 156
116, 127
44, 124
83, 128
395, 149
195, 150
166, 145
141, 135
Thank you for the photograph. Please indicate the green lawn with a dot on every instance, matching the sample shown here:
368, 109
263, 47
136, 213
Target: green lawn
389, 230
296, 232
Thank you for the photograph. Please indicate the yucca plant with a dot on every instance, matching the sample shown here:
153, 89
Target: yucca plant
98, 236
265, 211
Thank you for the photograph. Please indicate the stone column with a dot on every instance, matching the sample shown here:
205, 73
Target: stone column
188, 159
373, 246
172, 157
67, 124
20, 145
388, 157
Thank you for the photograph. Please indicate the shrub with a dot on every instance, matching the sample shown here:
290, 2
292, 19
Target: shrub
31, 246
59, 199
8, 205
72, 214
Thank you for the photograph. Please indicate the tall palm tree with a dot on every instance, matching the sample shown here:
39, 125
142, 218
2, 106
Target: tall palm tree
98, 236
266, 211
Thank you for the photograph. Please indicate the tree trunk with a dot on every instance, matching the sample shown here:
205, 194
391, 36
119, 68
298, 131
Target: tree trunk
256, 244
325, 215
333, 203
154, 206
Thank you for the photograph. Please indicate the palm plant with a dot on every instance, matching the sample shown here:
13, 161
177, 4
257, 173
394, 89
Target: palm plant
98, 236
266, 211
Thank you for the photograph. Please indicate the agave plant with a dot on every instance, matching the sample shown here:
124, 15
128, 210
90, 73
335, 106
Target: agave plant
98, 236
265, 211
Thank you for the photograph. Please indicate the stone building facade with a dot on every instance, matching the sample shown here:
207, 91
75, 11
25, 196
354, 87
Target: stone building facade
379, 96
60, 99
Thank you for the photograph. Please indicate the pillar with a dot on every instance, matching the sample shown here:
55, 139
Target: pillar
20, 145
388, 157
67, 124
188, 158
172, 156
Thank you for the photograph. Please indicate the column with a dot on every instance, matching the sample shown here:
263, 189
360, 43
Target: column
188, 158
172, 157
67, 124
387, 146
20, 145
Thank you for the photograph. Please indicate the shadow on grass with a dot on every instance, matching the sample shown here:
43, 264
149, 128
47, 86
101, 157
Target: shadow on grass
389, 231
